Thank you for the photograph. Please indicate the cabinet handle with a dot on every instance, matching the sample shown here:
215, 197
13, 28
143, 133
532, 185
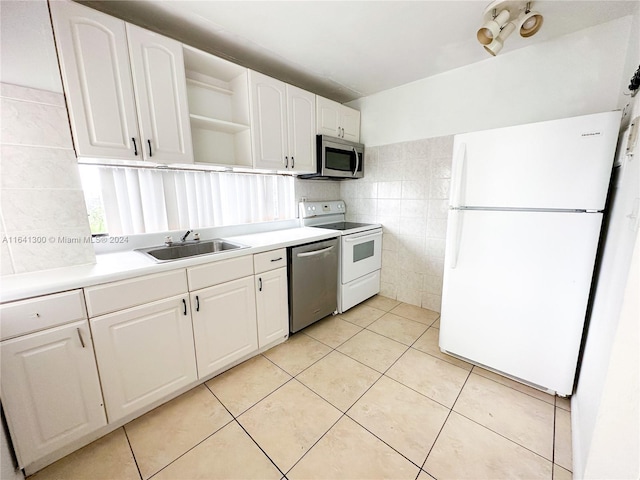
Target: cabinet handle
286, 162
342, 131
260, 284
293, 162
149, 143
184, 304
276, 259
80, 337
135, 146
197, 303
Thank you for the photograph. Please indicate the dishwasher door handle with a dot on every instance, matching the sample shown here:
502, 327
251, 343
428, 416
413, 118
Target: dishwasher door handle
315, 252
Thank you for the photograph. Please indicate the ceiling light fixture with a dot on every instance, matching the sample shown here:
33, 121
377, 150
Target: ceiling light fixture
502, 18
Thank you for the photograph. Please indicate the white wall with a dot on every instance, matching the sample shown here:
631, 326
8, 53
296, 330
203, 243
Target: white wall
605, 407
576, 74
27, 52
615, 444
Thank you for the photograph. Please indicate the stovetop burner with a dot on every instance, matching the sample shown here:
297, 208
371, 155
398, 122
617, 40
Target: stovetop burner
343, 225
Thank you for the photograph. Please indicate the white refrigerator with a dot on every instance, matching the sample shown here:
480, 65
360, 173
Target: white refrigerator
525, 213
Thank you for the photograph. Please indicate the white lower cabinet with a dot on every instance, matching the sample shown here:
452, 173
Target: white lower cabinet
224, 324
272, 306
50, 389
144, 353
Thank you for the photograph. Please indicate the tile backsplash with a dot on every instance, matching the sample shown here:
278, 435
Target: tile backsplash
43, 216
406, 189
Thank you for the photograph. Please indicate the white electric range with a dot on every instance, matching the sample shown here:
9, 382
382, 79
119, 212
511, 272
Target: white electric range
360, 250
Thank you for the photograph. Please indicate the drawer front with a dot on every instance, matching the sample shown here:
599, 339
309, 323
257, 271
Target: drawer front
263, 262
213, 273
115, 296
34, 314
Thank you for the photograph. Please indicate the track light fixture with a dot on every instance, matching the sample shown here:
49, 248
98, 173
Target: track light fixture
502, 18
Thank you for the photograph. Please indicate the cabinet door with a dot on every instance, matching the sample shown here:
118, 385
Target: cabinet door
268, 122
328, 117
301, 109
144, 353
50, 389
272, 305
224, 324
94, 59
350, 124
161, 93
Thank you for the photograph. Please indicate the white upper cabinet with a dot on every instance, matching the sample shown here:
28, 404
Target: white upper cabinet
269, 122
302, 129
283, 124
126, 96
94, 59
160, 89
337, 120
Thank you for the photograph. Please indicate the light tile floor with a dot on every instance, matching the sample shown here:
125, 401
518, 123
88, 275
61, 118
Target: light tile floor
363, 395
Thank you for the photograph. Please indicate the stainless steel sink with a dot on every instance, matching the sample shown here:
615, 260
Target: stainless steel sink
181, 250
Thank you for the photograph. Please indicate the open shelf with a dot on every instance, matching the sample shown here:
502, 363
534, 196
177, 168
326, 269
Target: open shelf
199, 121
218, 94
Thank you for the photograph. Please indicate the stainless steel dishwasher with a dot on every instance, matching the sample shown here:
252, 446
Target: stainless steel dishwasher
313, 282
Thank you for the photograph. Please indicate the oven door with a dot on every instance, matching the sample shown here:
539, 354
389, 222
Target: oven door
361, 254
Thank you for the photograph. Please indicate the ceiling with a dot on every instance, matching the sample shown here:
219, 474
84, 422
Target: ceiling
348, 49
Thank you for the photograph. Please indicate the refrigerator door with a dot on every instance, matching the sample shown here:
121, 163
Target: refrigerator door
560, 164
516, 286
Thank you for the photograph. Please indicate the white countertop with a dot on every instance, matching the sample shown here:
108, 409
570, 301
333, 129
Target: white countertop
120, 266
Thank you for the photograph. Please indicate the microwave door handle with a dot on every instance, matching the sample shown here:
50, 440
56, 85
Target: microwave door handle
355, 170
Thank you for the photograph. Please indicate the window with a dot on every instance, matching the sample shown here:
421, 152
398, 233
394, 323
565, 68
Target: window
125, 200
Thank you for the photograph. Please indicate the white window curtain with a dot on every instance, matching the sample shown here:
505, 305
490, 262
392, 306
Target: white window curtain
139, 200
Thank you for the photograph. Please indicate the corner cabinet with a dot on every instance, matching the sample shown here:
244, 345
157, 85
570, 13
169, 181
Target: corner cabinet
125, 87
337, 120
283, 123
50, 388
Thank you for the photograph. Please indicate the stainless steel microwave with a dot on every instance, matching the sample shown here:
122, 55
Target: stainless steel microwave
337, 159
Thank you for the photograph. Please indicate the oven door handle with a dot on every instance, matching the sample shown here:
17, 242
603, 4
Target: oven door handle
315, 252
350, 239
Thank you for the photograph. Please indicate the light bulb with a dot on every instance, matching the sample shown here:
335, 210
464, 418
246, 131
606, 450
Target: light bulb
529, 23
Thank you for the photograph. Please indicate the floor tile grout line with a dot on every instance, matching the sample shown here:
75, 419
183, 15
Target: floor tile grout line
316, 442
443, 425
503, 436
442, 359
192, 448
513, 388
256, 402
553, 448
382, 440
261, 449
498, 433
132, 452
307, 367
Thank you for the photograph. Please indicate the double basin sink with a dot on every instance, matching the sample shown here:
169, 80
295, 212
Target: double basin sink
180, 250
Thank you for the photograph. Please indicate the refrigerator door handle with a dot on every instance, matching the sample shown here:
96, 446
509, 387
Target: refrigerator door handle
453, 245
456, 184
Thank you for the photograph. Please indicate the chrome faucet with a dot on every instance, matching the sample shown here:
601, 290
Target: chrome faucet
184, 237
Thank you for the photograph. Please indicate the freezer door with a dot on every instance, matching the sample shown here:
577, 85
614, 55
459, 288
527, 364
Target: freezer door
515, 293
560, 164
